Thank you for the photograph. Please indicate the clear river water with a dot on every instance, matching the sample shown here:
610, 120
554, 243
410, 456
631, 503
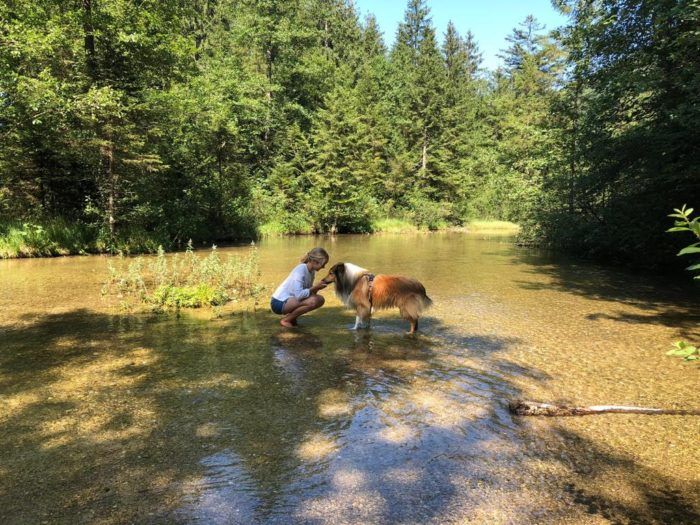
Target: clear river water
110, 417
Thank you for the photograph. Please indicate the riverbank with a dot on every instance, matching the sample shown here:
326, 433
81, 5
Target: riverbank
59, 237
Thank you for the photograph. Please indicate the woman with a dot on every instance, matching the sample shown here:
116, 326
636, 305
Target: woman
298, 295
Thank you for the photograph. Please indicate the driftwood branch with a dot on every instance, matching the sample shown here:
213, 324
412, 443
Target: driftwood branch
531, 408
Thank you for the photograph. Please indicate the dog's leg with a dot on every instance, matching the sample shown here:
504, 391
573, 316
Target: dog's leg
363, 314
357, 323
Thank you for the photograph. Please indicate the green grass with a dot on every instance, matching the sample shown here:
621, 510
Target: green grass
486, 226
54, 237
391, 225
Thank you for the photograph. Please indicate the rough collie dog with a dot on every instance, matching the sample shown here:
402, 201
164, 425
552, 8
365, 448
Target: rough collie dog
360, 289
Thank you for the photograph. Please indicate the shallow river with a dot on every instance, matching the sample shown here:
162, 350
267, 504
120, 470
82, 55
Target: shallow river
108, 417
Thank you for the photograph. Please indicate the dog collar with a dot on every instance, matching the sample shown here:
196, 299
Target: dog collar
370, 281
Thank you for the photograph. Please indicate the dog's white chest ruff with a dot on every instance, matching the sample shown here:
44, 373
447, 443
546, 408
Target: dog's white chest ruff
352, 274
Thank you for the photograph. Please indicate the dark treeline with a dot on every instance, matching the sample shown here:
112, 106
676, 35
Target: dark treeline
155, 122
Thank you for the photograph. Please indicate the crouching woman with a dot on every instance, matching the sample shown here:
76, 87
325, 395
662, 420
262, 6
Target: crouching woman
298, 295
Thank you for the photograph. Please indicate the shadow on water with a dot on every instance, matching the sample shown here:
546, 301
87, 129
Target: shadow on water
120, 419
663, 301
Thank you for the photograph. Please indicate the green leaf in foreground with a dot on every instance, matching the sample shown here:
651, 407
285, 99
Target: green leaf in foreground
695, 248
685, 350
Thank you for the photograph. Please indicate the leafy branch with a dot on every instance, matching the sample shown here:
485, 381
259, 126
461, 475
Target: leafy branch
685, 223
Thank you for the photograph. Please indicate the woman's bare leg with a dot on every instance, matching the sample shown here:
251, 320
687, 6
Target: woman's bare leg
294, 308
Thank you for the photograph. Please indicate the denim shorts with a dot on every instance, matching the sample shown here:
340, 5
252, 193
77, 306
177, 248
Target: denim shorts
277, 306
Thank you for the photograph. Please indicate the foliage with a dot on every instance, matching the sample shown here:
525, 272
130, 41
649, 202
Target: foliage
184, 280
627, 114
141, 124
682, 224
686, 351
54, 237
225, 120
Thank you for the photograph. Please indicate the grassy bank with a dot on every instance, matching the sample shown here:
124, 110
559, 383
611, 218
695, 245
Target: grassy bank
492, 227
55, 237
389, 225
61, 237
385, 225
397, 225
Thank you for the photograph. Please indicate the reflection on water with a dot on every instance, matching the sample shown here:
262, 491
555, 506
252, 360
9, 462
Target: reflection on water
112, 418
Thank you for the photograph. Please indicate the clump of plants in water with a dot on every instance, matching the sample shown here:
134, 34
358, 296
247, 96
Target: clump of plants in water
184, 280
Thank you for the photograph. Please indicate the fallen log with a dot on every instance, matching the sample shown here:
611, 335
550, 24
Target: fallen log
531, 408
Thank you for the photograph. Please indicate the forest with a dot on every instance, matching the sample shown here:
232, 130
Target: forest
129, 124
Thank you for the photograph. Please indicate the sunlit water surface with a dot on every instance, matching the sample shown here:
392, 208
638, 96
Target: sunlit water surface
108, 417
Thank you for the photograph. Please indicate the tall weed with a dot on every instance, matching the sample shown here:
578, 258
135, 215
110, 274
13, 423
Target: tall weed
184, 280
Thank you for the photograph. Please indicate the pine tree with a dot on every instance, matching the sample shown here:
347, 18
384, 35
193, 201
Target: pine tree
525, 145
338, 168
461, 130
418, 76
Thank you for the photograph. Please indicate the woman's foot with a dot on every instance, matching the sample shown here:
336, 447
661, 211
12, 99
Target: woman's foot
287, 324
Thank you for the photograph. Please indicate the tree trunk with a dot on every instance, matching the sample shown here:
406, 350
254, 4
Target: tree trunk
574, 152
270, 57
531, 408
89, 39
111, 183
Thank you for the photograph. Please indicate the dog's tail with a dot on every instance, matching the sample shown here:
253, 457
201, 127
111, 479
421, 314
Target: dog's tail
414, 304
421, 296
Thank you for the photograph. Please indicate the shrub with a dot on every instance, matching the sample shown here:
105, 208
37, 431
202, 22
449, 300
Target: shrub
429, 214
683, 223
184, 280
393, 225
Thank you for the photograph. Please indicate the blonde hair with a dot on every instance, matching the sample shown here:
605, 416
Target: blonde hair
317, 254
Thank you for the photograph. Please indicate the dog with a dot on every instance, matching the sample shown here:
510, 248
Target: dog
357, 288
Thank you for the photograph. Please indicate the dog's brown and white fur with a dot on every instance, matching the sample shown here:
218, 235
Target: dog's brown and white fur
352, 286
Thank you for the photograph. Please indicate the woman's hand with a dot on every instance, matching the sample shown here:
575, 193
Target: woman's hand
315, 288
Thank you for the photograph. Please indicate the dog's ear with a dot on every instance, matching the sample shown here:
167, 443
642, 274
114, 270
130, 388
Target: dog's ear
338, 269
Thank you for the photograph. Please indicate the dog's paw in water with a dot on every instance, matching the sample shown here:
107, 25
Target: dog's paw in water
360, 324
